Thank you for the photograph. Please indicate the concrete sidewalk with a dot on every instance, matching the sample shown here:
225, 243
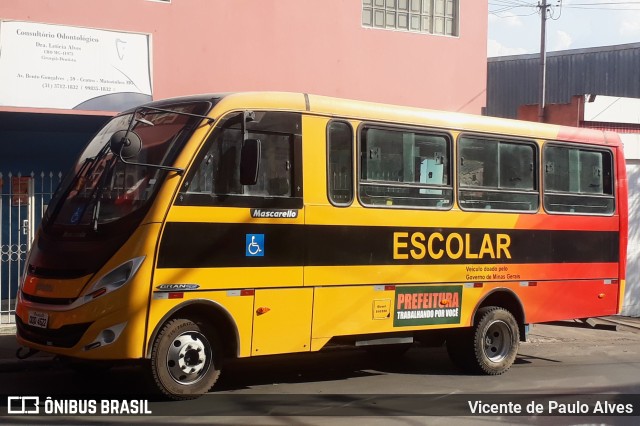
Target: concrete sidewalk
598, 330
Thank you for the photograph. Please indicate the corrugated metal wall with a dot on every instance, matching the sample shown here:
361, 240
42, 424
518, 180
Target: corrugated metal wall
513, 80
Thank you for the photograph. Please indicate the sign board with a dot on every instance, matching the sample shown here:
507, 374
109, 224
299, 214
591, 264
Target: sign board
56, 66
427, 305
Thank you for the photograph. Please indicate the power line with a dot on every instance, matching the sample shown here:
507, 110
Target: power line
535, 12
599, 5
502, 8
602, 8
553, 10
508, 5
608, 106
512, 5
513, 2
635, 3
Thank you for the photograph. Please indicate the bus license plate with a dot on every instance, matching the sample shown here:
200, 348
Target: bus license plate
38, 319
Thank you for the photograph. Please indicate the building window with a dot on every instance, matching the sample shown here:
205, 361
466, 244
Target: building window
497, 175
578, 180
405, 168
425, 16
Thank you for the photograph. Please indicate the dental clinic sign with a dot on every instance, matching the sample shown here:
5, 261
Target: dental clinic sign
55, 66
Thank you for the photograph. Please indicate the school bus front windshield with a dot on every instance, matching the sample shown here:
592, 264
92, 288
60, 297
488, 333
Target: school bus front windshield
104, 189
104, 199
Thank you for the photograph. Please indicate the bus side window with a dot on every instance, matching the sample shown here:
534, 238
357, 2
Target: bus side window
340, 163
497, 175
405, 168
218, 172
578, 180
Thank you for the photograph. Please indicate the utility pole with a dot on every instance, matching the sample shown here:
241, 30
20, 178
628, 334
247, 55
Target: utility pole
542, 5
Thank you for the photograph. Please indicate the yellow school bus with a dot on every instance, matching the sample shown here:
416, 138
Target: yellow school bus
203, 228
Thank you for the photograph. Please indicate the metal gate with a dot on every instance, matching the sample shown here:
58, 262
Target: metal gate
23, 200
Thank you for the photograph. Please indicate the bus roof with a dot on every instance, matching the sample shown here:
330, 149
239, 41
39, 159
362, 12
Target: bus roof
369, 111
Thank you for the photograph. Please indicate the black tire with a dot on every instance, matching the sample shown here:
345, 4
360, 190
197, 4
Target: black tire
185, 359
490, 347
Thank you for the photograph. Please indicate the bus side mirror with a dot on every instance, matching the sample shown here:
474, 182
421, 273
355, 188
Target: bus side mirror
250, 161
125, 144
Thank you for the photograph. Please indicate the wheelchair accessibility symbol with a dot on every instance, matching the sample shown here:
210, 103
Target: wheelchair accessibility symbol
254, 245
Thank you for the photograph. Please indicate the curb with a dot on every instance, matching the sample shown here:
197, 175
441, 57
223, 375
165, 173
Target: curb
7, 329
632, 322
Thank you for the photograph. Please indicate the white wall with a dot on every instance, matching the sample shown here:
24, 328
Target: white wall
611, 109
631, 306
631, 143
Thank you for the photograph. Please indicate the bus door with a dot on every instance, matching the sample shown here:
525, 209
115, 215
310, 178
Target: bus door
249, 241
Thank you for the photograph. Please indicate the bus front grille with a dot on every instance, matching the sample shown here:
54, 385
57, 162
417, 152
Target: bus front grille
64, 337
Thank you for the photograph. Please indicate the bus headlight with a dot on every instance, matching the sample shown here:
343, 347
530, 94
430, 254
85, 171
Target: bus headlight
114, 279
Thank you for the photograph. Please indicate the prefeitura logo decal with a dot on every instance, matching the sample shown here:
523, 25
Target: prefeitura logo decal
427, 305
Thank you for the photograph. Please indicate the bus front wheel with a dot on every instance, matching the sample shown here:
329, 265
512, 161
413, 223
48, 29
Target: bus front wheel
490, 346
184, 361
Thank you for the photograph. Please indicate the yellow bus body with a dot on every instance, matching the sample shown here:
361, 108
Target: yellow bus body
302, 307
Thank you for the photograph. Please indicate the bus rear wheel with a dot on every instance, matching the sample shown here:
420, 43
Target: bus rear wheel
490, 347
184, 361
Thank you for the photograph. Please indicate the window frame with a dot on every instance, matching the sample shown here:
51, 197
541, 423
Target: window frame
446, 134
328, 163
580, 147
498, 138
428, 16
211, 199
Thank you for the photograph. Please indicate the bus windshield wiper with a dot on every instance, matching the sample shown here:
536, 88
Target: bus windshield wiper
98, 189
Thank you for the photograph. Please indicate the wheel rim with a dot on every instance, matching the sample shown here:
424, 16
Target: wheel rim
189, 357
497, 341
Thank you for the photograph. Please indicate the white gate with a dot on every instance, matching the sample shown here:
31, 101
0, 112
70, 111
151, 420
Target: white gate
23, 200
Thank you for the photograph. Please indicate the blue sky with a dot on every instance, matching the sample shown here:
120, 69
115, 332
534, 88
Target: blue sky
514, 25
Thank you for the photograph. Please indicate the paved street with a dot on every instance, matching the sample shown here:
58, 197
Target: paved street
309, 388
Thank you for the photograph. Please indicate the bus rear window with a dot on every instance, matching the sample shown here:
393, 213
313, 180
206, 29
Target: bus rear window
578, 180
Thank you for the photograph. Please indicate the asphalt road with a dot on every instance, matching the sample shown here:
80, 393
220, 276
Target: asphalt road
348, 386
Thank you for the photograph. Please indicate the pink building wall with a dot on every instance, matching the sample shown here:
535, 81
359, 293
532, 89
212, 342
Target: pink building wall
292, 45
